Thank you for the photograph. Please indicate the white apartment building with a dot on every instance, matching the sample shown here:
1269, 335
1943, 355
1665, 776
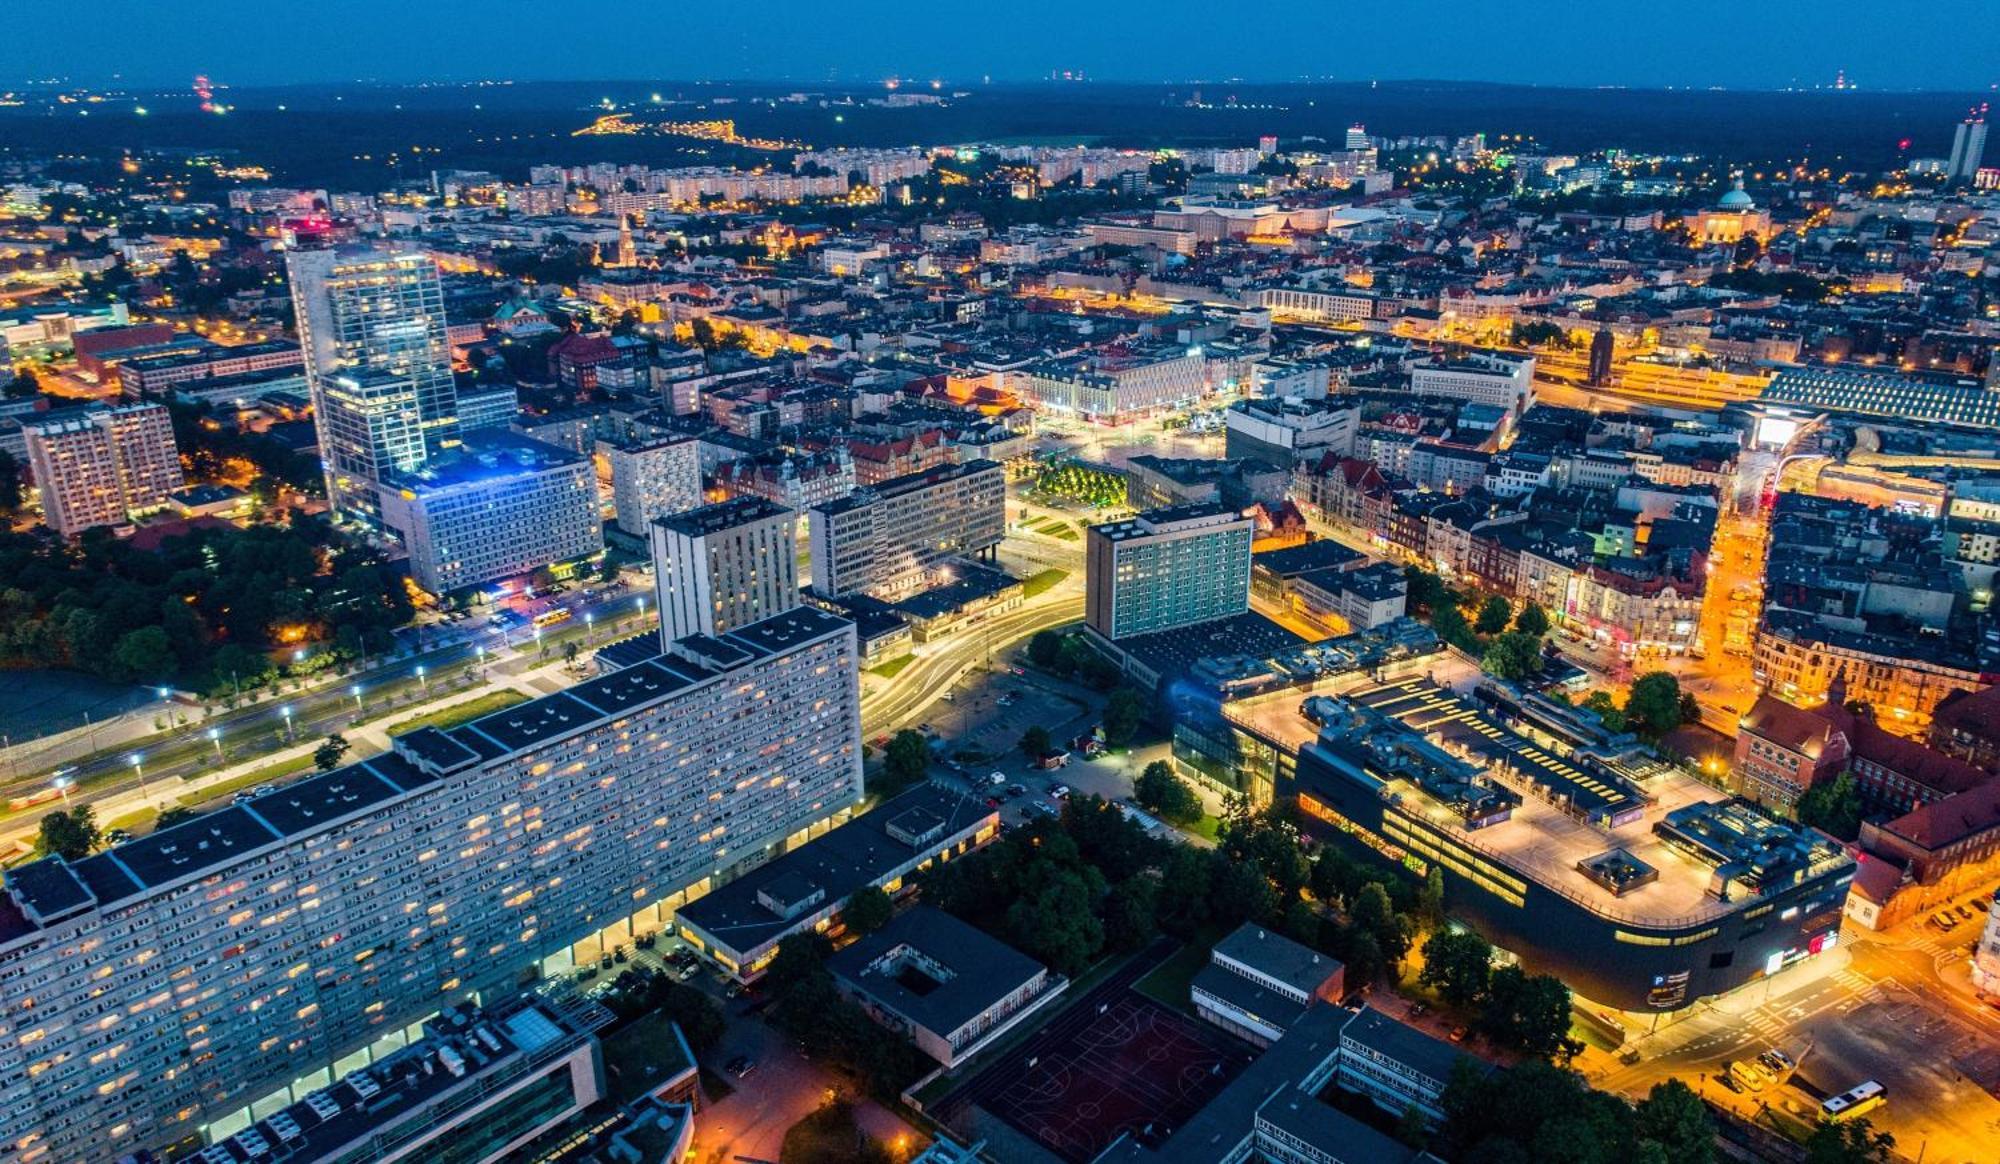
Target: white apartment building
885, 539
101, 466
1485, 377
725, 565
1116, 385
652, 478
153, 987
499, 507
1319, 306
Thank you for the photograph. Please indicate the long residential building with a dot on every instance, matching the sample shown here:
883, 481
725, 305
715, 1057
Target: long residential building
652, 478
156, 987
1167, 568
886, 539
100, 466
1119, 384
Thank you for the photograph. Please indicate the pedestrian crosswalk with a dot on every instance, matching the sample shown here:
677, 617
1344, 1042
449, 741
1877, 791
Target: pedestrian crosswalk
1864, 988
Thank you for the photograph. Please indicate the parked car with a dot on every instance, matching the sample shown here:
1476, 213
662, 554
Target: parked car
996, 778
740, 1066
1059, 791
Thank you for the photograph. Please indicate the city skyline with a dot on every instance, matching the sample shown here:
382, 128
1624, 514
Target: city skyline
1176, 42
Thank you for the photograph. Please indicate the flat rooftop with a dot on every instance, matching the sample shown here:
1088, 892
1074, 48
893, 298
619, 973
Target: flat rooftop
723, 515
860, 852
1669, 832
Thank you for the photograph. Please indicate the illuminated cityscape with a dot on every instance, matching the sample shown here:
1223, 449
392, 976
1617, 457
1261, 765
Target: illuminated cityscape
867, 604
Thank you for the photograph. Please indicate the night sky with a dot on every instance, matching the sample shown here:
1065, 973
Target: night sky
1900, 44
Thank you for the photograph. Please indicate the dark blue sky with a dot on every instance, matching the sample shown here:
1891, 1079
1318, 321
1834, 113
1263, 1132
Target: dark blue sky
1903, 44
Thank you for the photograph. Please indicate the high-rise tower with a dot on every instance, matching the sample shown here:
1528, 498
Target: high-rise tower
378, 364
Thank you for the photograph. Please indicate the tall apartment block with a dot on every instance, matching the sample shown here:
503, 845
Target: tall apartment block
652, 478
886, 539
497, 506
150, 991
378, 363
724, 565
100, 466
1167, 568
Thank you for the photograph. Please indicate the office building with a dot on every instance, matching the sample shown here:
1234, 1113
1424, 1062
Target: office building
1483, 377
476, 1085
1644, 899
652, 478
1968, 147
741, 924
164, 983
1167, 568
943, 985
1866, 392
1258, 983
1289, 432
379, 365
1114, 385
496, 507
724, 565
103, 466
887, 540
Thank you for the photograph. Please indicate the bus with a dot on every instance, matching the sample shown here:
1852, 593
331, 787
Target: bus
1856, 1100
552, 616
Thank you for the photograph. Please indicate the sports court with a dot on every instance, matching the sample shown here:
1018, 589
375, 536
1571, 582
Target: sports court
1117, 1062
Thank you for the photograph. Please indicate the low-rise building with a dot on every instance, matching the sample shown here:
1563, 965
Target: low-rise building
942, 984
740, 924
1258, 983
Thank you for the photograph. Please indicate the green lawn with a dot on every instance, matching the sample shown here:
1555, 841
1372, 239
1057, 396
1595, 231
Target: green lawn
1208, 827
269, 774
458, 713
1168, 982
1042, 581
893, 667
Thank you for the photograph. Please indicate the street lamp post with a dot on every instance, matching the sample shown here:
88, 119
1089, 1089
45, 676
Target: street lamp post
138, 763
479, 650
215, 737
589, 629
62, 784
355, 691
425, 678
286, 711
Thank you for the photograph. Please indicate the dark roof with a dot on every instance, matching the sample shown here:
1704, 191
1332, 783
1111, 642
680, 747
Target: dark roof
860, 852
1248, 996
1402, 1043
1277, 956
981, 970
1323, 554
723, 515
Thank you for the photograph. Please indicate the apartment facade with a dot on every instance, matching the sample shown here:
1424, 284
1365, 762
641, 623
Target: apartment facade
652, 478
1167, 568
725, 565
170, 980
499, 507
885, 540
101, 466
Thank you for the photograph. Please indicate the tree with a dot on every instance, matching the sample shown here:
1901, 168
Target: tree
1494, 615
1654, 706
24, 383
327, 756
1374, 913
1606, 709
1035, 742
1676, 1119
1122, 713
1430, 896
10, 483
1532, 619
1056, 925
1514, 656
1852, 1142
868, 909
1458, 965
570, 650
1449, 623
1045, 648
1833, 807
1529, 1012
1427, 591
145, 654
1160, 791
71, 834
907, 759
